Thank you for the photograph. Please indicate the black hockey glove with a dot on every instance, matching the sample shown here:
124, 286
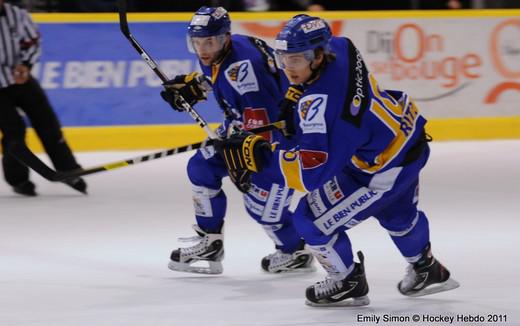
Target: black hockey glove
287, 108
243, 153
192, 88
241, 179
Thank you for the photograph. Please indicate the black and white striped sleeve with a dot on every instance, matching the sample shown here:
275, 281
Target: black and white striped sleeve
30, 50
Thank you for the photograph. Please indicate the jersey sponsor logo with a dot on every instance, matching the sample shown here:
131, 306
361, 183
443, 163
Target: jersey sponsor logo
254, 118
311, 110
258, 193
275, 204
313, 25
200, 20
280, 45
333, 191
313, 159
359, 93
207, 152
255, 208
241, 76
348, 209
219, 13
316, 203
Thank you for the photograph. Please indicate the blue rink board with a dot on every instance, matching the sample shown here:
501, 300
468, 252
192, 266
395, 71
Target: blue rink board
94, 77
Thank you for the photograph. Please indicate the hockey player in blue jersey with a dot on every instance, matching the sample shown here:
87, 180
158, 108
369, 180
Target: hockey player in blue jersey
247, 86
359, 154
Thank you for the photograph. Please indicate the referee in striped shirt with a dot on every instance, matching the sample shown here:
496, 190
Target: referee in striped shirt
19, 50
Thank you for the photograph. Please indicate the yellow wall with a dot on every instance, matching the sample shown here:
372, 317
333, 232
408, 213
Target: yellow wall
149, 137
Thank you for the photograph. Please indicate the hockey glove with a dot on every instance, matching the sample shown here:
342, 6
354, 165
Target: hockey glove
287, 108
244, 151
193, 88
241, 179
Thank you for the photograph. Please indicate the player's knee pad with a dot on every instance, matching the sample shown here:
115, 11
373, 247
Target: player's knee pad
206, 201
335, 256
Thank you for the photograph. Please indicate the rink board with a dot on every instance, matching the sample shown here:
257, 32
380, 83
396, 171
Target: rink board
466, 83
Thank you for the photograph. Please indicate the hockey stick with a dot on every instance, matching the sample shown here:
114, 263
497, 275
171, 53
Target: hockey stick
25, 156
123, 24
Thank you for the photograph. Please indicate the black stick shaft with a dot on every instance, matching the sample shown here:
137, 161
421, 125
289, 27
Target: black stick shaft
25, 156
123, 24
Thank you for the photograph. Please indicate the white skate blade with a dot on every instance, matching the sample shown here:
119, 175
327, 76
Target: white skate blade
215, 267
352, 302
447, 285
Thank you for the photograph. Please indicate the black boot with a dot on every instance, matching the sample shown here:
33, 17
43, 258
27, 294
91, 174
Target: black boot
78, 184
26, 188
351, 291
426, 276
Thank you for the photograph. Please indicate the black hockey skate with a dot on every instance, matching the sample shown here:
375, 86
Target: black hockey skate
210, 249
349, 292
298, 261
427, 276
77, 184
26, 188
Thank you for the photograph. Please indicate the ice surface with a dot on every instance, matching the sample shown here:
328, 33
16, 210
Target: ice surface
69, 259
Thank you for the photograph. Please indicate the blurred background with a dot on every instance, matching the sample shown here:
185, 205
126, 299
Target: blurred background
259, 5
462, 67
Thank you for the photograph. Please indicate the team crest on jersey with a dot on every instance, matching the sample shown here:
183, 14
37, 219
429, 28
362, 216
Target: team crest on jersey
241, 76
311, 110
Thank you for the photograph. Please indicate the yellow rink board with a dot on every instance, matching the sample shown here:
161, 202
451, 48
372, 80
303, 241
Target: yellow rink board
168, 136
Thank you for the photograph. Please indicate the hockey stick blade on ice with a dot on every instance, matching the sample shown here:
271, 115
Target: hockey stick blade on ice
26, 157
123, 24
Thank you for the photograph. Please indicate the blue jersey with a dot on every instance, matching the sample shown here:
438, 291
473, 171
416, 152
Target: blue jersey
345, 122
247, 84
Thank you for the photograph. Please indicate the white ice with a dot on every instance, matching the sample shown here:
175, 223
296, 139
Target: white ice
69, 259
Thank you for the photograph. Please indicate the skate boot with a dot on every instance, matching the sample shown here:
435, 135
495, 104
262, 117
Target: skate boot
26, 188
77, 184
298, 261
349, 292
209, 249
426, 276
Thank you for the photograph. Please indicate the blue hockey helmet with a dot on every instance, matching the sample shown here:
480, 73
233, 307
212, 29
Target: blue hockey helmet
295, 45
303, 33
209, 21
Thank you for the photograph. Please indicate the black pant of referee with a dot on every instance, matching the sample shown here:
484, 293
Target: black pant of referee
30, 98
